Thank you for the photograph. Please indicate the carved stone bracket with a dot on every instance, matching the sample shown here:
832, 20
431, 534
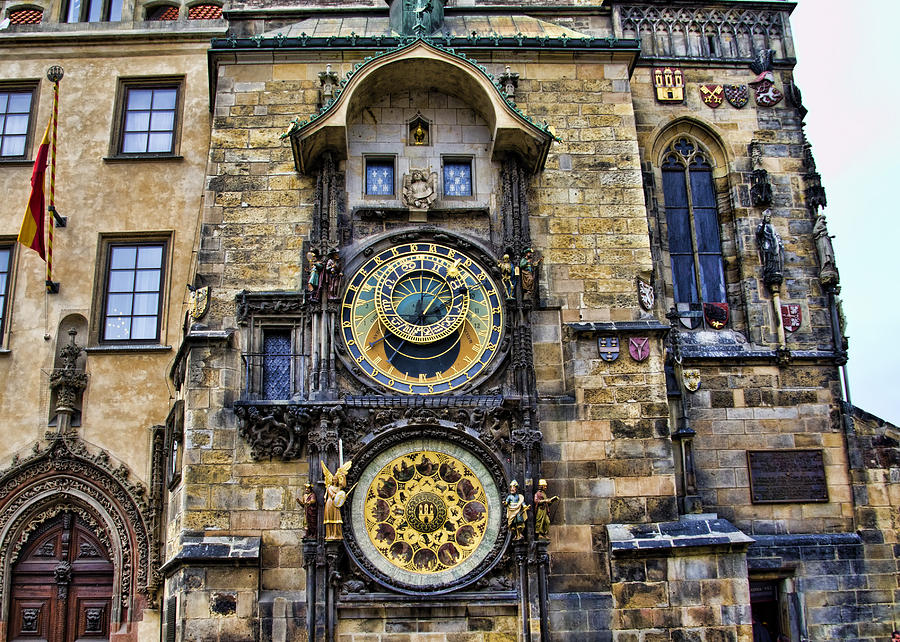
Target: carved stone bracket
270, 303
278, 431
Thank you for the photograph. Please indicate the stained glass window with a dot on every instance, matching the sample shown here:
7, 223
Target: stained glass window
457, 178
379, 177
693, 225
277, 364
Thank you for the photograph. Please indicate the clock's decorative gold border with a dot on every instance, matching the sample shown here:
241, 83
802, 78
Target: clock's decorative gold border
377, 478
446, 357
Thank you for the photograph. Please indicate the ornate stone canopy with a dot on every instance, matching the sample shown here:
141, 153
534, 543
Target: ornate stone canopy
420, 65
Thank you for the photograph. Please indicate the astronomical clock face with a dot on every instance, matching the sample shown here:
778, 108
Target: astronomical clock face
422, 318
426, 513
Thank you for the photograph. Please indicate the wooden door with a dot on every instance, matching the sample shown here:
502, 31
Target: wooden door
61, 585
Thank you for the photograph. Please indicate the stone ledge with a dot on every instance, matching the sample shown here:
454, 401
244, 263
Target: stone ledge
687, 533
214, 550
648, 325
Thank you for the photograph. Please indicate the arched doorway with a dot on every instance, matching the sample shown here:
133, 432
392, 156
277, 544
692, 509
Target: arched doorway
62, 585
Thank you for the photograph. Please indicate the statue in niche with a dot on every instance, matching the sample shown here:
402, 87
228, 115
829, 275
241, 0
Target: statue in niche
335, 496
772, 250
333, 275
828, 273
542, 505
509, 275
516, 511
528, 267
311, 509
419, 189
316, 268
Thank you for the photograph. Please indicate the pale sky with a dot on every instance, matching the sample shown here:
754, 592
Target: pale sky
847, 65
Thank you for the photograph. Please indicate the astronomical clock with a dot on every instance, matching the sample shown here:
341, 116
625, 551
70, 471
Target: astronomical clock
423, 323
422, 318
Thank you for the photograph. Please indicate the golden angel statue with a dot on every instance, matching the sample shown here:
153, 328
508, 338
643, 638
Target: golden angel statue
335, 496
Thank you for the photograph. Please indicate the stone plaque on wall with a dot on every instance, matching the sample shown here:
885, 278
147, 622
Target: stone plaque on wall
782, 476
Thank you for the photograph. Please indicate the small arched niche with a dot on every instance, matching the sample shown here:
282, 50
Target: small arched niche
79, 324
420, 67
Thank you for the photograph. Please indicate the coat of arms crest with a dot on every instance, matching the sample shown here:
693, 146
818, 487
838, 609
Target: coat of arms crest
791, 316
767, 95
639, 348
669, 83
712, 95
691, 379
716, 314
609, 348
646, 294
737, 95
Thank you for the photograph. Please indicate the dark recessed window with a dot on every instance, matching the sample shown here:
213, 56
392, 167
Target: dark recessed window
15, 117
149, 120
205, 12
163, 13
5, 265
457, 178
26, 16
692, 220
379, 177
93, 11
133, 292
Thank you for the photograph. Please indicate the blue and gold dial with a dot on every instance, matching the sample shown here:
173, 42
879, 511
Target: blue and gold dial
422, 318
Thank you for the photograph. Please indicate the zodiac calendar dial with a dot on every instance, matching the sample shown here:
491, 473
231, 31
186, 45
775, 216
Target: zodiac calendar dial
426, 515
422, 318
426, 512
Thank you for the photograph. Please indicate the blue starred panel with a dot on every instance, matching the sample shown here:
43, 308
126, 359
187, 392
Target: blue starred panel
379, 177
457, 178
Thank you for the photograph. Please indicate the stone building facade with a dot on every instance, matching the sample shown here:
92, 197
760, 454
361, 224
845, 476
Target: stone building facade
437, 248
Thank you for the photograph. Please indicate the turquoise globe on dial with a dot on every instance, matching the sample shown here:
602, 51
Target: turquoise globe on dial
422, 318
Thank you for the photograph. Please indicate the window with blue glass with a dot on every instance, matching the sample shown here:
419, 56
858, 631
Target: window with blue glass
149, 120
133, 292
379, 176
15, 114
457, 178
93, 11
692, 220
276, 366
5, 264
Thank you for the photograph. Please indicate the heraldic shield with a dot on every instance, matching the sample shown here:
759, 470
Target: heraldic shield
609, 348
737, 95
639, 348
716, 314
712, 95
791, 316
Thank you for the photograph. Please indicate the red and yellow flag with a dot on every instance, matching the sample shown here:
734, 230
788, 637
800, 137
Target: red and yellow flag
31, 233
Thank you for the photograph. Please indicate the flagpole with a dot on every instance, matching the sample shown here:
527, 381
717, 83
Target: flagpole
54, 75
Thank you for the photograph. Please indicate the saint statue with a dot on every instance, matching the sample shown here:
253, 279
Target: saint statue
314, 282
311, 508
772, 250
828, 273
335, 496
542, 511
528, 267
333, 275
516, 511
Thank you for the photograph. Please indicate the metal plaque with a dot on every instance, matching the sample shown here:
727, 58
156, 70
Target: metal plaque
785, 476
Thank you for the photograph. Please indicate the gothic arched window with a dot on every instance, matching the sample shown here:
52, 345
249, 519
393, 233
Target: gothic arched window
692, 221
